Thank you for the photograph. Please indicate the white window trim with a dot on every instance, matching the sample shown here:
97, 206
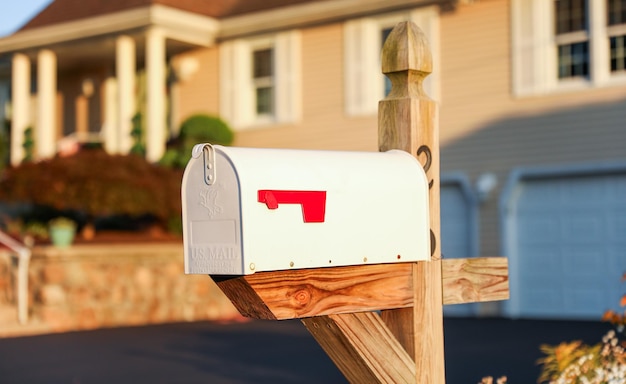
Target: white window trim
362, 53
237, 97
534, 54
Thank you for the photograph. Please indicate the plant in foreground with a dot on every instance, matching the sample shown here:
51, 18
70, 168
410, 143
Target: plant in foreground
489, 380
578, 363
616, 318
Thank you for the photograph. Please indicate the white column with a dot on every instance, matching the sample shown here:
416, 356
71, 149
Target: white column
155, 94
45, 128
125, 63
109, 127
20, 105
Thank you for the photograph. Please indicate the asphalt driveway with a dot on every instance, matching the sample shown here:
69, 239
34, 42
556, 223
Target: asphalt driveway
264, 352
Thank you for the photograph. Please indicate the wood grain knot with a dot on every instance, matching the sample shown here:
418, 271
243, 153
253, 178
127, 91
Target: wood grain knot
468, 291
302, 297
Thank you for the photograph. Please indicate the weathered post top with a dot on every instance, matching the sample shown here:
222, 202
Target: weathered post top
407, 49
407, 61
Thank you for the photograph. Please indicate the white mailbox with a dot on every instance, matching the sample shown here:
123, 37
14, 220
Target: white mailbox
247, 210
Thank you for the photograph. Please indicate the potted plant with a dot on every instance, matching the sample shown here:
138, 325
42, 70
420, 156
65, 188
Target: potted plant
62, 231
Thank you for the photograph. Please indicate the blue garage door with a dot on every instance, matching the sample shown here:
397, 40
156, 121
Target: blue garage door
459, 230
566, 238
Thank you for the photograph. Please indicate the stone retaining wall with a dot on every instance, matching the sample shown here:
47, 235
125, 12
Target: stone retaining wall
92, 286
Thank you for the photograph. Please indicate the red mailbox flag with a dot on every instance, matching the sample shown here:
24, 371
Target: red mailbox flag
313, 202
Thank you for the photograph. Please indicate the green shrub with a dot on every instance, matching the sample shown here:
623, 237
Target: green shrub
5, 129
196, 129
136, 133
28, 145
205, 128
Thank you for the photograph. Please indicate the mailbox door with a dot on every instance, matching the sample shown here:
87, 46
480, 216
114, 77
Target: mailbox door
211, 215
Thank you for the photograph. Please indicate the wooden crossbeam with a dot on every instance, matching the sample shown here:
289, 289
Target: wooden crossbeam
475, 280
326, 291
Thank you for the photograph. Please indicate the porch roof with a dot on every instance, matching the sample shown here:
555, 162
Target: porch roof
61, 11
84, 31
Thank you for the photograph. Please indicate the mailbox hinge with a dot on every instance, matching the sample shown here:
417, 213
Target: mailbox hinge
208, 157
208, 153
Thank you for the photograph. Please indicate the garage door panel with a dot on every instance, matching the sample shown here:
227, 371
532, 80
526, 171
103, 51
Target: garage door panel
457, 229
540, 262
572, 191
583, 263
539, 196
617, 189
567, 236
582, 227
616, 231
457, 232
617, 258
538, 301
538, 229
578, 301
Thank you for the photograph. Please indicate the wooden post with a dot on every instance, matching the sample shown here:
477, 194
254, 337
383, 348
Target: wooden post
337, 304
407, 120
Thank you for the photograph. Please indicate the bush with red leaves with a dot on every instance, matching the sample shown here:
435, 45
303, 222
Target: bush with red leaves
96, 184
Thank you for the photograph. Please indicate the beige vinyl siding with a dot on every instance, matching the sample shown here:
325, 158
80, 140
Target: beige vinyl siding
200, 92
485, 129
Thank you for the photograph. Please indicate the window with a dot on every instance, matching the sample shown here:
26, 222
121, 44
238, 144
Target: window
616, 16
618, 53
571, 37
260, 80
263, 79
567, 44
363, 42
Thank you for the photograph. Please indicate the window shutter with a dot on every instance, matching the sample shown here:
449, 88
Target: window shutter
361, 66
236, 98
532, 58
288, 77
226, 78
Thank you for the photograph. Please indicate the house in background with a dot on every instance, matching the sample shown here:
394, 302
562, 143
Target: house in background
532, 97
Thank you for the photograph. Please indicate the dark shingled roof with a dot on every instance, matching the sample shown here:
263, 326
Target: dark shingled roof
60, 11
